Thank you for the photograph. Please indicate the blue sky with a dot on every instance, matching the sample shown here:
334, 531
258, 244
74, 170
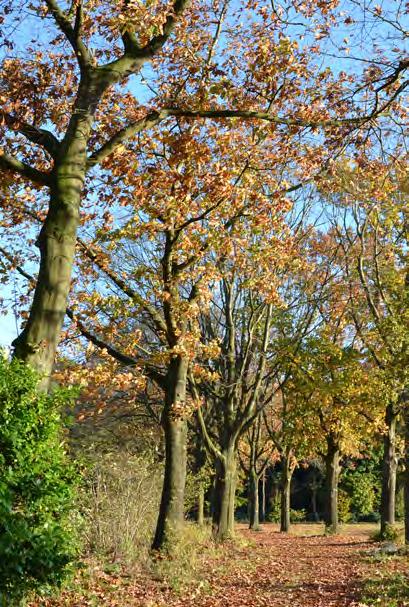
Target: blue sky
7, 329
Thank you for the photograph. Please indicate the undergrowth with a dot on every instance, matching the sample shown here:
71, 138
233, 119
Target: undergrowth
184, 564
387, 588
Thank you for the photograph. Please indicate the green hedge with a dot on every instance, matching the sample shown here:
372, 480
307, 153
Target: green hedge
38, 542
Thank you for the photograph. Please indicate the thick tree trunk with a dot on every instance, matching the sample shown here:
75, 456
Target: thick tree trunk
224, 495
332, 459
171, 511
285, 496
37, 343
254, 514
390, 465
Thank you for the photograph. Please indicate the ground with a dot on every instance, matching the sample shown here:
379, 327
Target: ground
262, 569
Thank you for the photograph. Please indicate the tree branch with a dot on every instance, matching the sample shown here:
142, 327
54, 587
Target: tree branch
71, 33
125, 288
266, 116
109, 146
34, 134
122, 358
134, 55
11, 163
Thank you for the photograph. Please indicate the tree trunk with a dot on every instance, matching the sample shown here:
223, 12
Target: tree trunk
224, 495
262, 505
171, 511
200, 505
314, 490
254, 520
406, 460
285, 496
390, 464
332, 459
37, 343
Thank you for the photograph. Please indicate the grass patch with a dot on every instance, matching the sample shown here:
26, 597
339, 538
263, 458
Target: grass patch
390, 534
388, 589
184, 565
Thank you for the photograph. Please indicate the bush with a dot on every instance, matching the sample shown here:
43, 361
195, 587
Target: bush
390, 534
298, 516
275, 511
195, 483
121, 505
362, 486
344, 507
38, 543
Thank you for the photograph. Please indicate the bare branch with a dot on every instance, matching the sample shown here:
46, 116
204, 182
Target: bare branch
109, 146
71, 33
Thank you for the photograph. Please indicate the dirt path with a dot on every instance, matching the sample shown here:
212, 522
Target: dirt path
288, 571
268, 569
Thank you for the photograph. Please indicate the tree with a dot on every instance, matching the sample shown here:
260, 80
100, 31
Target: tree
65, 162
343, 395
255, 452
144, 284
229, 395
69, 111
374, 241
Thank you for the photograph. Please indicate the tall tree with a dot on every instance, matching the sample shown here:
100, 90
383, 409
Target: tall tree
63, 155
69, 110
373, 233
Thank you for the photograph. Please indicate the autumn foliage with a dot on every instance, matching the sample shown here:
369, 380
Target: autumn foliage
203, 226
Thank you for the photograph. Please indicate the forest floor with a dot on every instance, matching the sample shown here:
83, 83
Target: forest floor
261, 569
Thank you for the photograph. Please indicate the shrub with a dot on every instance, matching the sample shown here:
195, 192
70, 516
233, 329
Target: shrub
275, 511
298, 516
344, 507
195, 483
362, 486
390, 534
121, 502
38, 543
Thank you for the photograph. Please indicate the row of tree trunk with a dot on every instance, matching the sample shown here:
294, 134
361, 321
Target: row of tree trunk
332, 469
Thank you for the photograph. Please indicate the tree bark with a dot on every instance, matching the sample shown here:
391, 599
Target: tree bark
254, 514
224, 495
314, 488
406, 477
37, 343
200, 505
171, 511
285, 495
390, 465
262, 505
332, 459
